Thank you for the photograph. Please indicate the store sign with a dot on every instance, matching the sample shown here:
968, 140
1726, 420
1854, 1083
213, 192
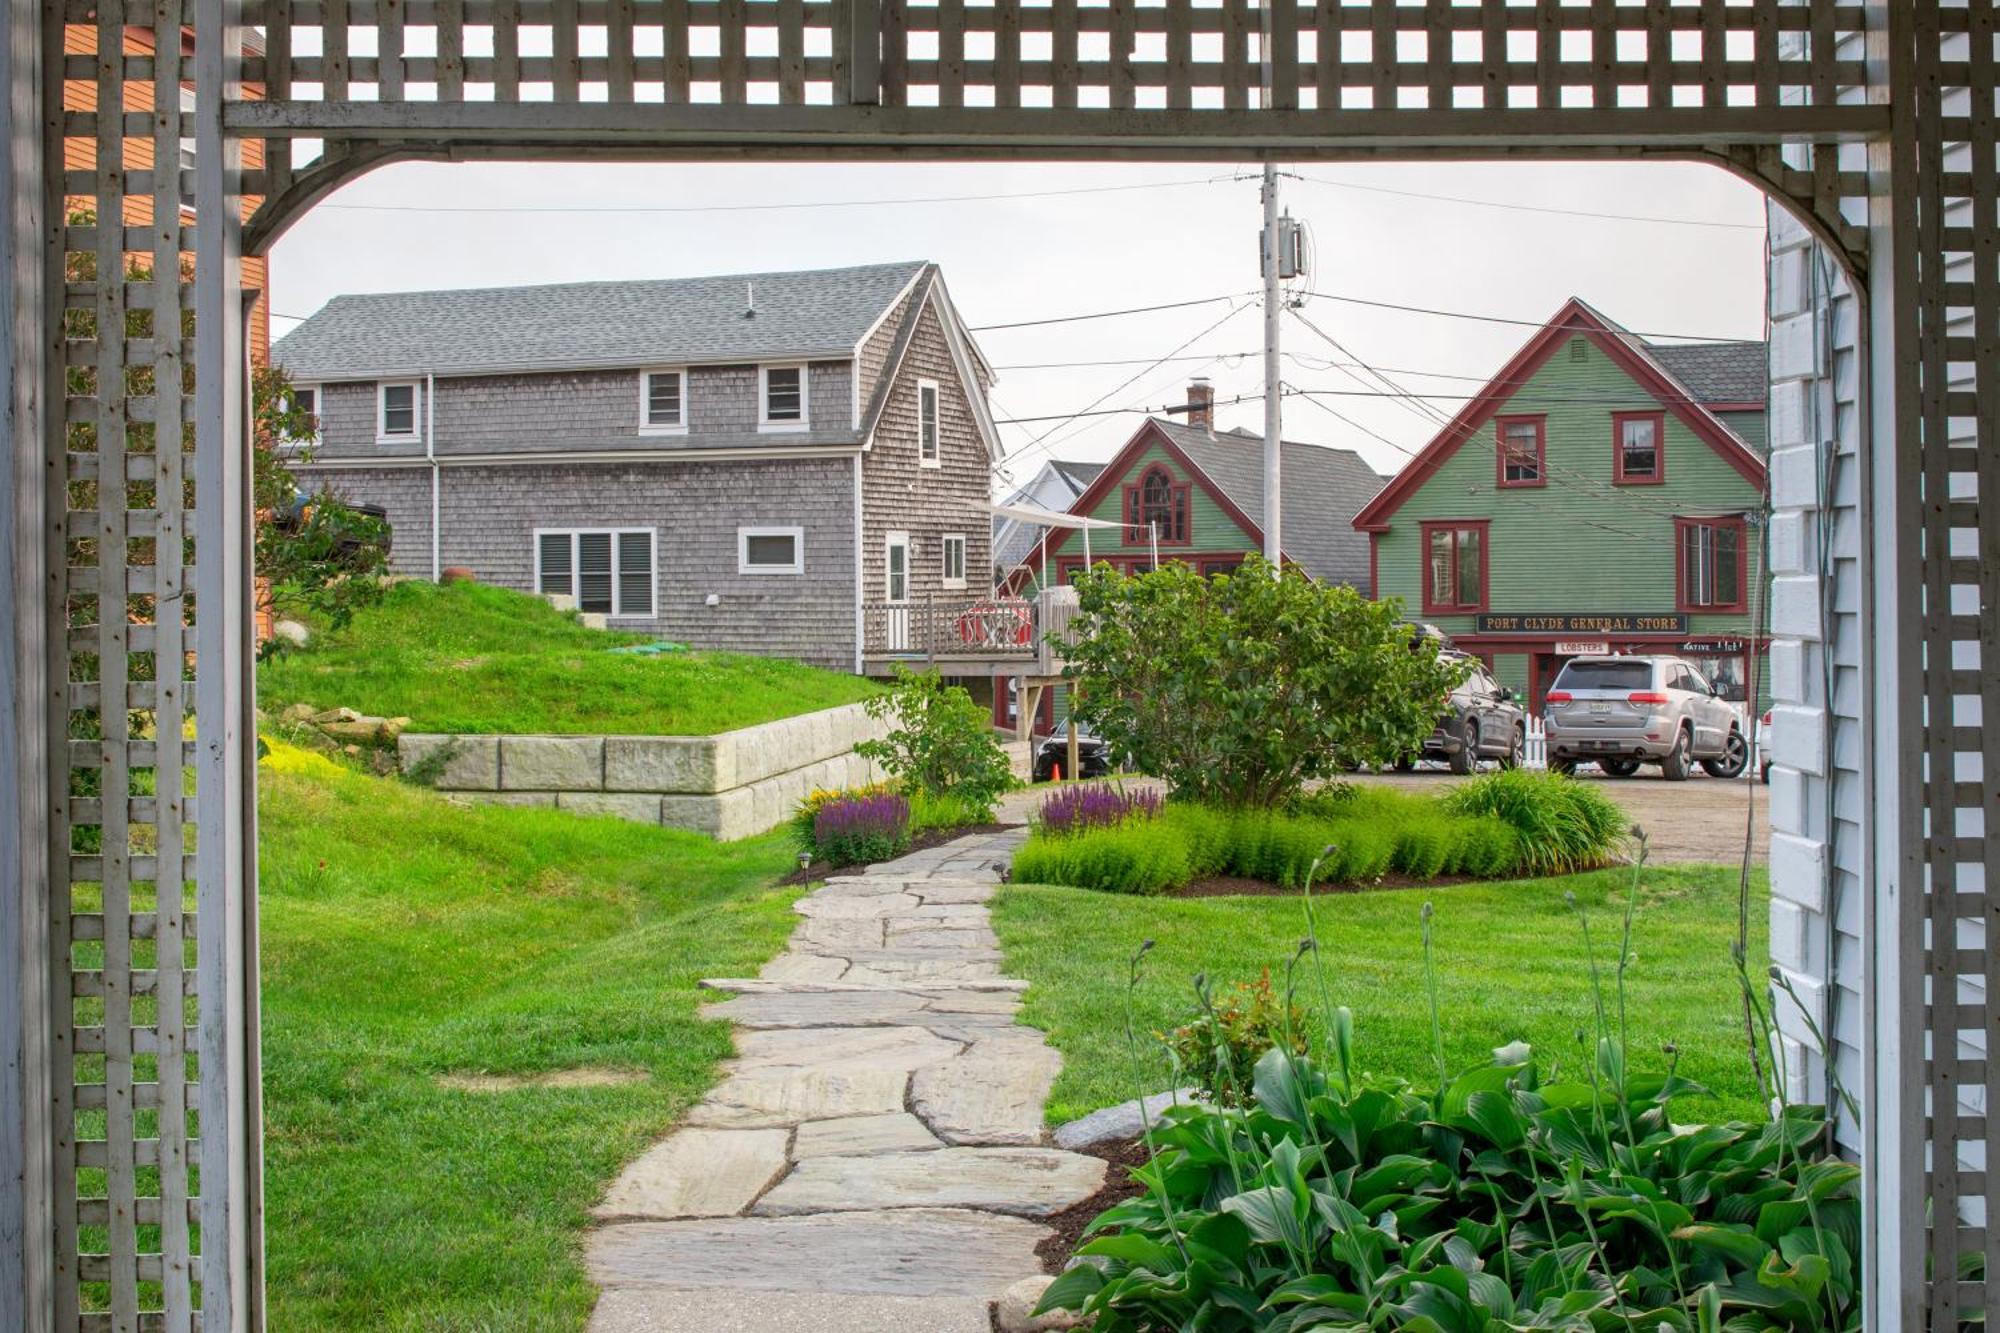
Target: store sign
1582, 647
1649, 623
1712, 647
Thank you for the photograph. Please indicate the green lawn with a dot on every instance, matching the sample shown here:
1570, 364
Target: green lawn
1511, 964
405, 938
475, 659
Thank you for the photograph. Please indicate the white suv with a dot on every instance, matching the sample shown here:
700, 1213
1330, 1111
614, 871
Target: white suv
1621, 712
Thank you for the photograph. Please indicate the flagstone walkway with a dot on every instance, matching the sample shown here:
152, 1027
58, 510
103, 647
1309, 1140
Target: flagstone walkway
874, 1158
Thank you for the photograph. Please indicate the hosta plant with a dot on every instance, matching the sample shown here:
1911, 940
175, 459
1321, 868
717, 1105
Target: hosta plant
1500, 1202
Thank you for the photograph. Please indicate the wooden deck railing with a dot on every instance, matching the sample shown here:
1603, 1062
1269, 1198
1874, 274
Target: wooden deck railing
1030, 632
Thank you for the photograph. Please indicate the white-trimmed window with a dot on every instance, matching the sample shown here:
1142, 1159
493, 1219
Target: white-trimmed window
929, 450
770, 550
608, 570
952, 544
305, 398
663, 401
397, 405
781, 397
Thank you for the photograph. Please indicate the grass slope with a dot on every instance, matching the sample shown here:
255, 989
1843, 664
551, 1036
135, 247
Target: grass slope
469, 658
404, 938
1510, 957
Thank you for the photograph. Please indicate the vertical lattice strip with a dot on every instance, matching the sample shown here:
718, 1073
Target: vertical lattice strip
121, 1082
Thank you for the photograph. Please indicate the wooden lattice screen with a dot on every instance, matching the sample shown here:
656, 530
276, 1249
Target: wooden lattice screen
153, 1132
1946, 148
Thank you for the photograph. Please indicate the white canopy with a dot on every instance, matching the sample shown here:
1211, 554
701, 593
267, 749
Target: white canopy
1050, 518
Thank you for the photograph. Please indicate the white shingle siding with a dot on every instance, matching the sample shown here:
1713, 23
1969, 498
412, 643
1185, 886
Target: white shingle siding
489, 514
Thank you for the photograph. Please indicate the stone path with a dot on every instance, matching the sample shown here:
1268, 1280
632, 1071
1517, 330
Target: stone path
874, 1158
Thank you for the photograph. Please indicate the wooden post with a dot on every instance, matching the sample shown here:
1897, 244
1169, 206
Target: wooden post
1070, 717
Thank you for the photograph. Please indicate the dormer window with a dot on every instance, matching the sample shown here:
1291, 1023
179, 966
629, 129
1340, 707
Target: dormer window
783, 398
396, 412
662, 402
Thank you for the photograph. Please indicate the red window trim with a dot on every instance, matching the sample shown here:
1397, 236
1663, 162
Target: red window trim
1541, 425
1618, 420
1181, 495
1425, 528
1681, 527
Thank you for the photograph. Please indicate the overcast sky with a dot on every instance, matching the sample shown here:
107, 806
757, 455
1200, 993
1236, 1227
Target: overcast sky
1163, 234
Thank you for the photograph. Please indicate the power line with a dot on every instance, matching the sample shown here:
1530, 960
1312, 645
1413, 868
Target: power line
1503, 319
1104, 314
1530, 208
777, 207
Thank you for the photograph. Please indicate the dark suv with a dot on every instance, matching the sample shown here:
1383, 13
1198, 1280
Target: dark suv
1481, 721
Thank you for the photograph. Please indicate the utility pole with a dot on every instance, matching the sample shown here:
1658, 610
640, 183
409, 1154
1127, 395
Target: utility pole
1273, 404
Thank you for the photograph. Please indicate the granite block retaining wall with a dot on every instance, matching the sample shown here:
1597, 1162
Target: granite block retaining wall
732, 785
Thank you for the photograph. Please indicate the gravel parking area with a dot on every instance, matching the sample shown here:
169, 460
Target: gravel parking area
1697, 822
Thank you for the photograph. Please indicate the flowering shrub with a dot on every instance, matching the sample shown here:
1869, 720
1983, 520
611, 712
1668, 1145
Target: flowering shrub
1220, 1047
804, 826
852, 829
1075, 808
942, 743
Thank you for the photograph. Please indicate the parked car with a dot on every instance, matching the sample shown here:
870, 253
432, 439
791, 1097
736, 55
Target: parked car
1622, 712
1482, 720
1093, 756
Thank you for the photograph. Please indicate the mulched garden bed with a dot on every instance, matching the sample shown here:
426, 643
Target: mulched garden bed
923, 842
1068, 1225
1225, 886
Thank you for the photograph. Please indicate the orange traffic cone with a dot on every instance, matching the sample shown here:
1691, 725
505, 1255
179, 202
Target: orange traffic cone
1055, 773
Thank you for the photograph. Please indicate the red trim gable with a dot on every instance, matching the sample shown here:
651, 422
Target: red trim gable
1573, 319
1114, 474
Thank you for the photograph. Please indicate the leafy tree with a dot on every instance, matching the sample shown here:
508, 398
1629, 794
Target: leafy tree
942, 744
318, 553
1238, 688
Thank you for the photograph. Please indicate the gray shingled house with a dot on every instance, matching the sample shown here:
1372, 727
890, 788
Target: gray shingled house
765, 462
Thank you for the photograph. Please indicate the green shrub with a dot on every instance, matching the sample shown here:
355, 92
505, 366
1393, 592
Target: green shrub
1564, 825
1206, 833
1487, 847
1424, 847
949, 811
942, 743
1219, 1047
1139, 857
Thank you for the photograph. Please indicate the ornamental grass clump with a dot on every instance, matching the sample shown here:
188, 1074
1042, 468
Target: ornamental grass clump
1564, 825
1073, 809
853, 830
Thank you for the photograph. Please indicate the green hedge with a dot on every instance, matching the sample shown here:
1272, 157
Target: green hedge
1486, 828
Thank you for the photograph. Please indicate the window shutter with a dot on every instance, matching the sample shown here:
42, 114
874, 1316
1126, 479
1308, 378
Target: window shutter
635, 573
593, 571
555, 564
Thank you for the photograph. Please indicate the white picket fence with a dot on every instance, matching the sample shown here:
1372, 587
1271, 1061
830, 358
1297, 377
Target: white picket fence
1536, 753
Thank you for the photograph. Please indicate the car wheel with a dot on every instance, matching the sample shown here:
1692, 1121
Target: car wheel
1566, 767
1619, 768
1735, 758
1406, 763
1764, 773
1674, 768
1467, 758
1517, 751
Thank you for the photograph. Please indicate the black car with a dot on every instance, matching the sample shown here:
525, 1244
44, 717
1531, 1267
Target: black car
1482, 720
1093, 756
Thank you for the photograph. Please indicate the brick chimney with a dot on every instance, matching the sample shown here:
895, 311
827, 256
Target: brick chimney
1201, 403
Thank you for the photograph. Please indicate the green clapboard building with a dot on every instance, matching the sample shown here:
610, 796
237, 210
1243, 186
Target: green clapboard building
1602, 493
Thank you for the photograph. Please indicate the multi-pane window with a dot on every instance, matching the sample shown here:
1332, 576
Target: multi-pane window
784, 396
305, 401
927, 423
770, 550
396, 411
1711, 563
1454, 566
607, 570
1156, 510
1521, 453
953, 546
1638, 437
663, 400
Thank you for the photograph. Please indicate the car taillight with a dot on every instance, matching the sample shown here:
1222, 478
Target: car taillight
1557, 697
1645, 697
1765, 720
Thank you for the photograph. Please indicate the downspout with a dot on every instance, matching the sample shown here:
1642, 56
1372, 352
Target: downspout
860, 629
430, 453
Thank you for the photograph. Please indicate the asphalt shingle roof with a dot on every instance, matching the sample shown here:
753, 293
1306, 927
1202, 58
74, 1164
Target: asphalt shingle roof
811, 314
1717, 372
1324, 489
